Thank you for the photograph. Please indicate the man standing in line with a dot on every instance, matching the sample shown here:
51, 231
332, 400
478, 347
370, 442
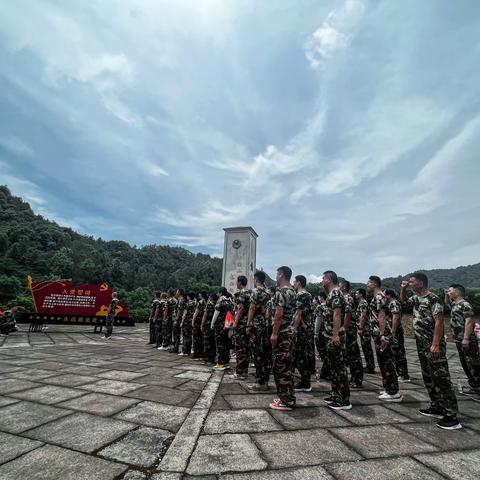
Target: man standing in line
177, 327
151, 319
168, 314
321, 339
428, 325
240, 326
197, 335
333, 326
284, 304
398, 338
208, 333
258, 332
362, 314
382, 334
462, 323
112, 310
187, 324
354, 358
304, 343
158, 320
223, 306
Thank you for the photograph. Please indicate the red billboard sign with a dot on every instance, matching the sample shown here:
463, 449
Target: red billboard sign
60, 297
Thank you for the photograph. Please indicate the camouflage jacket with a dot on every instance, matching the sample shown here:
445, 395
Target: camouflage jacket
350, 308
285, 298
304, 303
362, 307
190, 309
201, 305
180, 307
171, 305
260, 299
113, 307
425, 307
224, 305
379, 304
460, 312
334, 300
395, 308
243, 298
154, 308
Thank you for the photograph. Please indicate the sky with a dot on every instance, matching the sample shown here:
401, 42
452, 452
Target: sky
346, 133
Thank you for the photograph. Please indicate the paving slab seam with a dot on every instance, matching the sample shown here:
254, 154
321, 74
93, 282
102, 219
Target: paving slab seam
177, 457
430, 467
23, 453
349, 445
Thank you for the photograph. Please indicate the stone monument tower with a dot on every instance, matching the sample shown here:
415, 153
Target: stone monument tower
239, 256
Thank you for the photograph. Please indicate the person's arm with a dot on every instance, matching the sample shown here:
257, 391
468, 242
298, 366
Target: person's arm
277, 323
346, 320
238, 316
337, 320
216, 313
382, 322
469, 325
204, 319
165, 312
437, 336
184, 315
363, 320
395, 322
403, 292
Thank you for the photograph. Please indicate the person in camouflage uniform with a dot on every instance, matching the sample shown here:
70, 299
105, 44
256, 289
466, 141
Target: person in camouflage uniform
354, 358
151, 318
304, 328
258, 332
222, 342
428, 325
208, 333
240, 327
282, 339
158, 320
321, 340
197, 335
398, 338
462, 323
177, 324
168, 316
187, 324
112, 310
333, 326
382, 334
362, 313
7, 322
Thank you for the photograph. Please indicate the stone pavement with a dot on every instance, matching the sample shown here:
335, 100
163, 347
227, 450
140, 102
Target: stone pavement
74, 406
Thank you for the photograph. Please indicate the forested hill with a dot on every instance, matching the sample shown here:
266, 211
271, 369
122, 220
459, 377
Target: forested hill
32, 245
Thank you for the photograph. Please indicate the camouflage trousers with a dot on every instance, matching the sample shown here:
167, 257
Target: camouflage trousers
322, 346
436, 377
158, 333
209, 343
305, 355
241, 348
222, 343
197, 338
354, 357
187, 336
470, 360
399, 354
177, 332
283, 366
262, 351
167, 326
338, 372
387, 367
151, 325
109, 325
366, 342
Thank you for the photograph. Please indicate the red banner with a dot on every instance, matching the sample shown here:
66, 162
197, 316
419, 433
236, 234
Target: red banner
59, 297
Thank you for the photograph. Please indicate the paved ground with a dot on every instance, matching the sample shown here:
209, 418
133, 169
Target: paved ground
75, 407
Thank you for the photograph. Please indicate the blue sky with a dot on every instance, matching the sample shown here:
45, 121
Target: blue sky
347, 133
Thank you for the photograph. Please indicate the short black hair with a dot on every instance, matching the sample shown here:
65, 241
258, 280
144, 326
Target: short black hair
214, 297
181, 291
171, 291
460, 288
302, 280
390, 292
346, 283
286, 271
204, 294
376, 280
191, 295
362, 292
223, 291
157, 294
421, 277
323, 295
332, 276
260, 276
242, 279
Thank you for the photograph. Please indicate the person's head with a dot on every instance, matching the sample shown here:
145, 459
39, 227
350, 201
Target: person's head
191, 295
300, 282
163, 295
170, 292
419, 281
213, 297
456, 292
203, 295
390, 294
180, 293
259, 278
344, 286
241, 281
223, 292
158, 294
271, 291
114, 294
330, 279
284, 274
360, 294
374, 283
322, 297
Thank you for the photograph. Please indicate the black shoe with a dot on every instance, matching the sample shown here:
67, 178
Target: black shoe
302, 387
449, 423
340, 406
431, 412
329, 400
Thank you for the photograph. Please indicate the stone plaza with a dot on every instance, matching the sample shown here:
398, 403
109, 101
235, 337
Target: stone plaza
75, 406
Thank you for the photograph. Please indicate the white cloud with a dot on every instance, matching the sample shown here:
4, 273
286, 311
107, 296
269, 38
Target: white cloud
16, 146
312, 278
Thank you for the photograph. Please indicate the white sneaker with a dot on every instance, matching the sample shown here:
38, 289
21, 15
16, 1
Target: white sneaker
161, 348
404, 380
386, 397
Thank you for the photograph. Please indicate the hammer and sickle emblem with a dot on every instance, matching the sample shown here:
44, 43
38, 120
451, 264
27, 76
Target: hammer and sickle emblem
104, 287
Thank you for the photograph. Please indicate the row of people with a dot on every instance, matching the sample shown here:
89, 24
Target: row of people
279, 328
